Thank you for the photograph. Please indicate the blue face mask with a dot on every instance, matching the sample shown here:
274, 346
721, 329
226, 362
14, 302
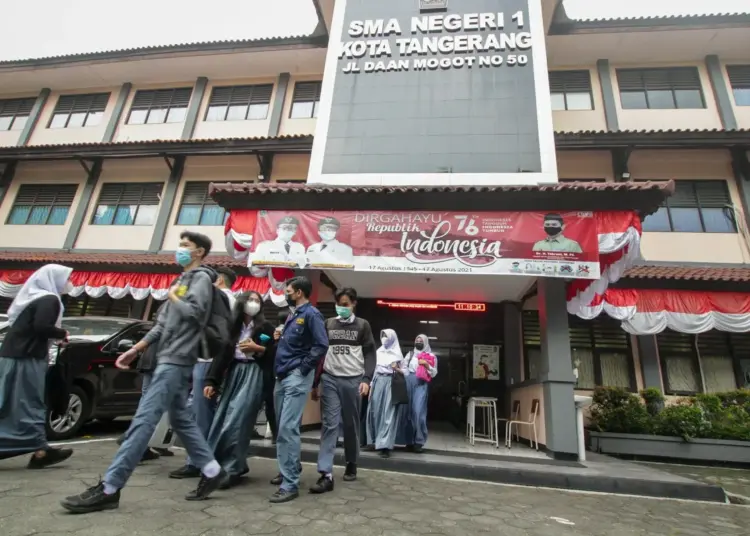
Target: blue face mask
343, 312
183, 256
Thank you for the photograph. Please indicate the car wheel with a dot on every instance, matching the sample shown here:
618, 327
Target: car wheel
65, 426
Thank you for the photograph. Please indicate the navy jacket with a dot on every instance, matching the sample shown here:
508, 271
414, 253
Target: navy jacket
303, 342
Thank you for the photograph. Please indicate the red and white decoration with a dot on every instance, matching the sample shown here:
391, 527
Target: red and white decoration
650, 311
238, 236
619, 249
120, 284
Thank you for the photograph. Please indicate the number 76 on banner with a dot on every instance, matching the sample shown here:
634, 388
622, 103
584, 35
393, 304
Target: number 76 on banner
466, 224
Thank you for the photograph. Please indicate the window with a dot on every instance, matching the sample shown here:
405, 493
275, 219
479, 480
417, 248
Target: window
306, 100
599, 349
660, 89
710, 362
695, 207
159, 106
239, 103
14, 113
571, 90
79, 110
198, 208
133, 203
739, 79
42, 204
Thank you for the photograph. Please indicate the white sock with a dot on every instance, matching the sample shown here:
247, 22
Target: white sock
109, 490
212, 469
329, 476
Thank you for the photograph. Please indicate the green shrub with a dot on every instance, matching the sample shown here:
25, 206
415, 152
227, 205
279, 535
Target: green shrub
654, 400
686, 420
731, 423
616, 410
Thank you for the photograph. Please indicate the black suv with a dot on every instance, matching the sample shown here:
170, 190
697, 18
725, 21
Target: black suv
99, 390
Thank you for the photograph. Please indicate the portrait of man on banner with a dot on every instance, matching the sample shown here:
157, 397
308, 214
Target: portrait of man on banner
330, 252
282, 250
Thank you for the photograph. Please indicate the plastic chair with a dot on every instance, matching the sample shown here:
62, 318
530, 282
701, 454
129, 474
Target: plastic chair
531, 422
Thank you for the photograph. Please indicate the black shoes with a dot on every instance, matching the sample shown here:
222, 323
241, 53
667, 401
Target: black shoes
323, 485
188, 471
230, 481
418, 449
92, 500
164, 452
283, 496
51, 457
385, 453
150, 455
350, 475
206, 487
278, 479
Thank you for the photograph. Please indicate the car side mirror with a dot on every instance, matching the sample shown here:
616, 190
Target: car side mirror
124, 345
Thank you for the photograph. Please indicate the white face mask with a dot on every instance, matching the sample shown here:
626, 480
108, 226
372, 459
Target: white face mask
384, 340
285, 235
252, 308
68, 288
327, 236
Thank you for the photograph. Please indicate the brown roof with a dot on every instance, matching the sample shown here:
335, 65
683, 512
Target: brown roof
133, 259
586, 195
690, 273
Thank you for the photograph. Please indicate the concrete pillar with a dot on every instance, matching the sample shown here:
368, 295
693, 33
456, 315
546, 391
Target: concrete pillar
608, 95
721, 92
6, 177
87, 197
191, 117
512, 352
556, 370
282, 86
649, 356
114, 120
167, 204
31, 122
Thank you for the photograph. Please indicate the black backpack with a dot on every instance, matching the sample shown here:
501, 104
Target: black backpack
217, 334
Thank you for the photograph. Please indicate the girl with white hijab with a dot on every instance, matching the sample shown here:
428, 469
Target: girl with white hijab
381, 413
35, 317
412, 428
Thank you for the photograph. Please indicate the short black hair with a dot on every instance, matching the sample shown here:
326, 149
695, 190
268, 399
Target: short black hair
346, 291
200, 240
228, 275
302, 284
553, 217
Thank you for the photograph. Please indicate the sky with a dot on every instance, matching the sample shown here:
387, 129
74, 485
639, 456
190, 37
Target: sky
60, 27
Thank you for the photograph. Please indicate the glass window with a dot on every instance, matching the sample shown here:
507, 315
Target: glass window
718, 373
579, 101
583, 360
59, 121
633, 100
216, 113
301, 110
5, 123
658, 221
197, 208
127, 204
305, 100
15, 112
681, 374
689, 98
660, 99
558, 102
686, 220
137, 117
42, 204
76, 111
660, 88
742, 96
152, 107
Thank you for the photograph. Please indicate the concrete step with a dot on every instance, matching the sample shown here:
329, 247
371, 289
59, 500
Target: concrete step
615, 476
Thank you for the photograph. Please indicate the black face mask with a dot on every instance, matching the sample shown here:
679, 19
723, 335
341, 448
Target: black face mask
419, 346
553, 231
291, 302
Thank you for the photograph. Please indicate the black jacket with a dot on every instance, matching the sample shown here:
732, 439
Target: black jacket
30, 334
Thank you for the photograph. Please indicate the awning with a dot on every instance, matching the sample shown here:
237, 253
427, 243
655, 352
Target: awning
118, 285
651, 311
619, 234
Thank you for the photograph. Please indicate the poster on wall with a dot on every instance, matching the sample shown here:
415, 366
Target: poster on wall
435, 92
486, 362
524, 243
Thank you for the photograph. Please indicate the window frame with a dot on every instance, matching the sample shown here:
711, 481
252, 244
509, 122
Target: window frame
207, 201
21, 104
644, 87
91, 109
596, 352
35, 203
120, 203
152, 105
739, 80
694, 355
315, 102
569, 86
247, 105
698, 207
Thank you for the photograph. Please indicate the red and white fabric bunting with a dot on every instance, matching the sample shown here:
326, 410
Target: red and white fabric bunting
120, 284
651, 311
619, 249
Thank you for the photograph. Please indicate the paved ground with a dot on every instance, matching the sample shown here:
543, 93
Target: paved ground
735, 481
379, 504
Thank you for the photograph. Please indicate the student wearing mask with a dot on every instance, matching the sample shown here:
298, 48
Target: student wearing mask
344, 376
303, 344
179, 332
382, 419
420, 366
240, 376
34, 317
205, 408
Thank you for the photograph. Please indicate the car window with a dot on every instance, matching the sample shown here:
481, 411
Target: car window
94, 329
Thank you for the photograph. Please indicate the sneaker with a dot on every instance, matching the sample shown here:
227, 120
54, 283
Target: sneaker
206, 486
350, 475
323, 485
277, 480
385, 453
164, 452
51, 457
92, 500
150, 455
283, 496
187, 471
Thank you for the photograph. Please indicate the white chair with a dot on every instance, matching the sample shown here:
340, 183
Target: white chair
488, 408
515, 414
531, 422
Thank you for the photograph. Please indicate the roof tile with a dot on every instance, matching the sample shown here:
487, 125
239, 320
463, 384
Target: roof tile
690, 273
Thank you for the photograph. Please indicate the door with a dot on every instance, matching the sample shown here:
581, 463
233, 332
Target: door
446, 389
119, 389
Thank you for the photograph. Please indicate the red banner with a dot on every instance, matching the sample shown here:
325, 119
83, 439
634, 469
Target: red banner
529, 243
